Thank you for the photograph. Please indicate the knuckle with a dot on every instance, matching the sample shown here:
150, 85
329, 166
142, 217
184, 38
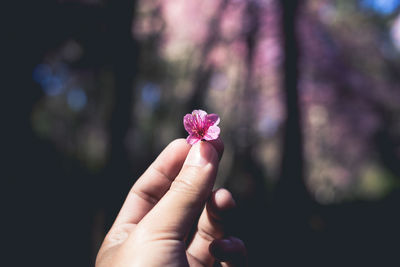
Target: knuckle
194, 181
185, 186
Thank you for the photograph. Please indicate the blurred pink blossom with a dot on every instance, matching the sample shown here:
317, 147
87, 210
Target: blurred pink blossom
187, 21
395, 32
201, 126
230, 25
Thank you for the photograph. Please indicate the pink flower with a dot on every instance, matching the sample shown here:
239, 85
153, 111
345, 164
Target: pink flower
201, 126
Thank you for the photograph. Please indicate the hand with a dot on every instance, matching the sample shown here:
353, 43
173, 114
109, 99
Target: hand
153, 225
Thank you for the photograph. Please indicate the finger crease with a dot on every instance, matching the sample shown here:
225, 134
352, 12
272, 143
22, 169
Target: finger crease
205, 234
199, 261
215, 217
146, 196
161, 173
183, 186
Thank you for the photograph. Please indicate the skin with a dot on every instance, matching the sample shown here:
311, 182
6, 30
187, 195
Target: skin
168, 200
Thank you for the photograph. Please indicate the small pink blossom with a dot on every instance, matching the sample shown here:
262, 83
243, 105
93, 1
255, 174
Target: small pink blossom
201, 126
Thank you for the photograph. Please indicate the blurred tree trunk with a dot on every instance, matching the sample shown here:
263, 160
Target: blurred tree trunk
117, 175
291, 179
291, 199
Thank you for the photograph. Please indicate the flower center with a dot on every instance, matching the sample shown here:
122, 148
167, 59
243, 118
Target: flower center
201, 132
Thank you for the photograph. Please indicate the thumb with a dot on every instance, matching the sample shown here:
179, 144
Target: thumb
176, 212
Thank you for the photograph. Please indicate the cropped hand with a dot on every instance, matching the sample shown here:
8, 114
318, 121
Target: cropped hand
167, 201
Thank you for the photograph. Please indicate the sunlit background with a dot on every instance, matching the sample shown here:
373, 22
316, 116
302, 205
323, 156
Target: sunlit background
106, 85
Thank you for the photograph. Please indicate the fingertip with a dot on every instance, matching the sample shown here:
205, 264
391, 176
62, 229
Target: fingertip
179, 143
167, 164
201, 154
221, 200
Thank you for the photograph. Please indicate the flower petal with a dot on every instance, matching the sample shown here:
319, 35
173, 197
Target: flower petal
193, 139
200, 113
189, 123
212, 119
199, 118
212, 133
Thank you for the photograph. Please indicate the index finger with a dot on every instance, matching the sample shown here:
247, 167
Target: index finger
154, 182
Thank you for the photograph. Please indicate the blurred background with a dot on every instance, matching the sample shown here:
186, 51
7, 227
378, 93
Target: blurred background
309, 98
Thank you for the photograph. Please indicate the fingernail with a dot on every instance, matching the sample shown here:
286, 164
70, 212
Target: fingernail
201, 154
